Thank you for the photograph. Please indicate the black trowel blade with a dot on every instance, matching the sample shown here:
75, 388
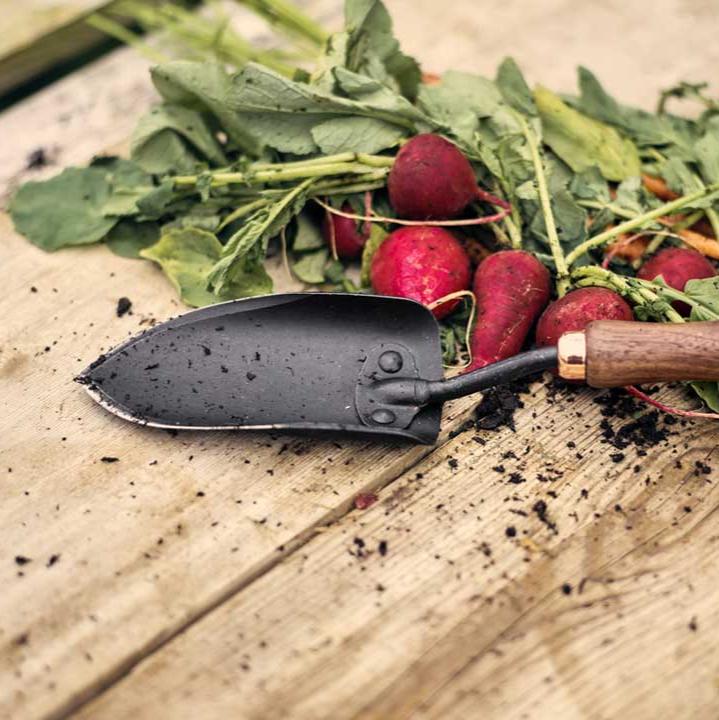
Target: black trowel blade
285, 362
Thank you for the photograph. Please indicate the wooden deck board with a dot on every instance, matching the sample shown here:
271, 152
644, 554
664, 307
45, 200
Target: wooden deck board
71, 628
456, 618
39, 34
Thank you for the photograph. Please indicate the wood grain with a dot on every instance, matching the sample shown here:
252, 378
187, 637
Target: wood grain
40, 34
150, 542
156, 549
633, 353
508, 575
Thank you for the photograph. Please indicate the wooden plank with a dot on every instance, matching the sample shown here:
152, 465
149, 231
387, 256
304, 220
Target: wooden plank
426, 605
275, 491
96, 108
68, 122
115, 594
43, 33
148, 543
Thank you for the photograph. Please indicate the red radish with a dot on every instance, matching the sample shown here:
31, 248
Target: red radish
432, 179
348, 239
421, 263
577, 309
512, 287
677, 266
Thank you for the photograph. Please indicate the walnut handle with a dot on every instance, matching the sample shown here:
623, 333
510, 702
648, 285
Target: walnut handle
631, 353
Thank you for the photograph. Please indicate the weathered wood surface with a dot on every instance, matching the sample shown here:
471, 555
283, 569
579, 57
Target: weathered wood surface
71, 628
606, 609
39, 34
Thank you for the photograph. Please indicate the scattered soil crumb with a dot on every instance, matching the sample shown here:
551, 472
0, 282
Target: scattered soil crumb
499, 405
124, 306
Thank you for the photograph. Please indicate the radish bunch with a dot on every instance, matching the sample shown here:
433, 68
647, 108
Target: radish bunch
431, 180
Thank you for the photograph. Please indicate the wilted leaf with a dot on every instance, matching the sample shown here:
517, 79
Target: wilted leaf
514, 88
372, 50
173, 138
64, 210
282, 113
246, 249
187, 256
459, 101
311, 266
127, 238
582, 142
205, 87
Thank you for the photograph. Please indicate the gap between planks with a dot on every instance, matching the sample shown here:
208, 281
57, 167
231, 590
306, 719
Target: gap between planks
452, 608
288, 548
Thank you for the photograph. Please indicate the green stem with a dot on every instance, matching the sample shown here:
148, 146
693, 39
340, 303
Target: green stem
374, 179
124, 35
596, 205
513, 230
319, 170
271, 176
243, 210
653, 152
641, 292
289, 18
337, 187
380, 161
713, 218
639, 221
560, 264
688, 221
501, 234
340, 157
513, 221
200, 33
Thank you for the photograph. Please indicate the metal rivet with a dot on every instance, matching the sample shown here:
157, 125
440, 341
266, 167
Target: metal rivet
383, 417
390, 361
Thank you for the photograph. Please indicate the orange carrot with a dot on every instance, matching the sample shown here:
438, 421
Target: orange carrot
628, 247
705, 245
658, 187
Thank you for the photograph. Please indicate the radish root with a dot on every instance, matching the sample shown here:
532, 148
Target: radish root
637, 393
484, 220
469, 295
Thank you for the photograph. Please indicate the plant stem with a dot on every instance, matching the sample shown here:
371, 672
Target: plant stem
596, 205
243, 210
638, 221
219, 179
642, 292
124, 35
513, 231
344, 188
200, 33
688, 221
560, 264
713, 218
340, 157
319, 170
380, 161
289, 18
338, 187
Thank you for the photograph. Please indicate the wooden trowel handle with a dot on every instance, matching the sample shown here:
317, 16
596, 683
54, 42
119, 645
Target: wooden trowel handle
612, 353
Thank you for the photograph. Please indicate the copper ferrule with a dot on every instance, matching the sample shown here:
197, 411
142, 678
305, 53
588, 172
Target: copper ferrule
572, 356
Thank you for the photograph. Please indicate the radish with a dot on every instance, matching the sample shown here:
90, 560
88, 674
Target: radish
512, 287
432, 179
348, 238
421, 263
677, 266
577, 309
